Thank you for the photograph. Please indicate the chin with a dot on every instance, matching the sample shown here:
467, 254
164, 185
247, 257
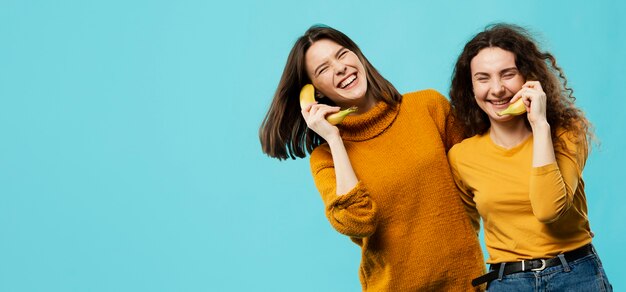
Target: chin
504, 118
360, 93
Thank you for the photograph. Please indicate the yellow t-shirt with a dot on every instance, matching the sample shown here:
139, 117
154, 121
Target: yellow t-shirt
528, 212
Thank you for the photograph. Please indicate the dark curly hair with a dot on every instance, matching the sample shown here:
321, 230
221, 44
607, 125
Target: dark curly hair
533, 64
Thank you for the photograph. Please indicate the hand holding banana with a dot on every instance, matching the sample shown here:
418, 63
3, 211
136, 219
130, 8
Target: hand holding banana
307, 96
531, 99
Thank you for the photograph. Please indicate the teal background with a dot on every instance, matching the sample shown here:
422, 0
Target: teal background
129, 155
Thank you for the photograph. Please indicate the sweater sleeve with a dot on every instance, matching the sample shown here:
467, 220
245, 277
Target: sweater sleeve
450, 130
552, 186
467, 197
352, 214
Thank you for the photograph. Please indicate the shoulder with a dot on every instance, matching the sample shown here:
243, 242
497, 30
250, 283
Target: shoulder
428, 101
464, 147
428, 97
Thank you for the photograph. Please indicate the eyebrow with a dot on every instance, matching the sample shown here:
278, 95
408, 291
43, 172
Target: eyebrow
341, 49
501, 71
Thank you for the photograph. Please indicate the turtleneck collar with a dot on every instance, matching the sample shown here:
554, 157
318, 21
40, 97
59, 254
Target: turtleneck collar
369, 124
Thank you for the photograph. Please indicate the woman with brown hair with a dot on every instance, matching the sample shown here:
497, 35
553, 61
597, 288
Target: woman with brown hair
382, 173
522, 172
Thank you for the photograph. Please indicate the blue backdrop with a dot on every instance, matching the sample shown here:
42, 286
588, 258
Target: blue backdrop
129, 155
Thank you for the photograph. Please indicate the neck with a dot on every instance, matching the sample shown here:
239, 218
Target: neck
364, 105
509, 134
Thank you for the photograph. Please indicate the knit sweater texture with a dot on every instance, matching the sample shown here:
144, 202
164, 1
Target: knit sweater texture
405, 212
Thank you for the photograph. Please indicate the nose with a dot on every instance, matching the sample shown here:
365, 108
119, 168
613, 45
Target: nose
340, 68
497, 88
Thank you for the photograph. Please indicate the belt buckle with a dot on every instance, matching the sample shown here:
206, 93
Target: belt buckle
543, 266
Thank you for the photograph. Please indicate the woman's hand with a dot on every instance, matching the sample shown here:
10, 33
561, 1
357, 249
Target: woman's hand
315, 116
535, 102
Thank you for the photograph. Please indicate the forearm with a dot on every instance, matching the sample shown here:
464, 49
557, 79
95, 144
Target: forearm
344, 174
543, 149
548, 193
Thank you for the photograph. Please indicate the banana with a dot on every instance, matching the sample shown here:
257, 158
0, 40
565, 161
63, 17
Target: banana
337, 118
516, 108
307, 96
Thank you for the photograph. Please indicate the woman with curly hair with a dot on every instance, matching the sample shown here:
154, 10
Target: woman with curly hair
522, 174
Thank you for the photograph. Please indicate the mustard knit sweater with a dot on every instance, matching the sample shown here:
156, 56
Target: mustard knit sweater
405, 212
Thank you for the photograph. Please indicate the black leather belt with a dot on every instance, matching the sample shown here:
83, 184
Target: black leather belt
531, 265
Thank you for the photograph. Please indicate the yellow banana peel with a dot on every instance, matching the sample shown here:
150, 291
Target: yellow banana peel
307, 96
514, 109
337, 118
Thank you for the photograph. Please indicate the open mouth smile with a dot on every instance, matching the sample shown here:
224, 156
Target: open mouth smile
347, 81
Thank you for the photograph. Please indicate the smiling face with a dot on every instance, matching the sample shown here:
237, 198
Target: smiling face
495, 79
336, 72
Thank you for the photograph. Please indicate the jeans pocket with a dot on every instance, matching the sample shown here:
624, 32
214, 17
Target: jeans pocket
601, 274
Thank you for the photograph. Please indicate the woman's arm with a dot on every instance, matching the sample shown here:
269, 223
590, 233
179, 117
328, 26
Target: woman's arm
315, 117
535, 100
467, 197
353, 213
554, 177
346, 178
349, 208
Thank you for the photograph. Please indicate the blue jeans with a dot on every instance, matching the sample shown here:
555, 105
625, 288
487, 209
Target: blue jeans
584, 274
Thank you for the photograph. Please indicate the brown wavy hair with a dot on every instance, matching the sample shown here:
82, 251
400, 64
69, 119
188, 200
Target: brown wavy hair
533, 64
283, 132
